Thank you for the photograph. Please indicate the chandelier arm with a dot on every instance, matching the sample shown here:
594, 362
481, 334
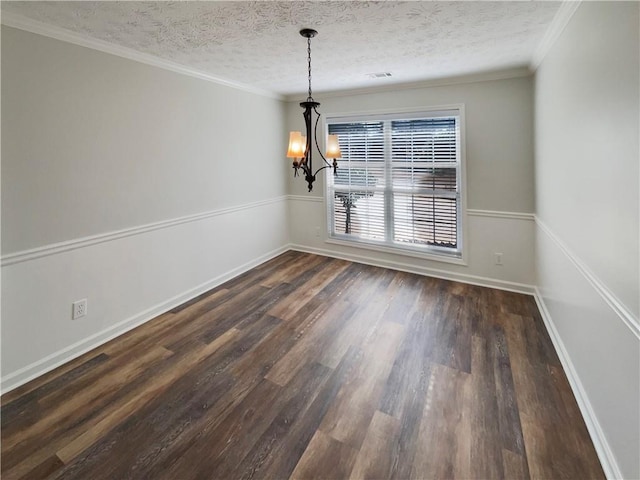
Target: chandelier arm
322, 168
315, 134
305, 169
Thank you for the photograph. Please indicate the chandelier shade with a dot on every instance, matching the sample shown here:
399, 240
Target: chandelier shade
297, 145
333, 147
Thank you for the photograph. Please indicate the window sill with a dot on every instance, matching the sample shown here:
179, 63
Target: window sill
399, 251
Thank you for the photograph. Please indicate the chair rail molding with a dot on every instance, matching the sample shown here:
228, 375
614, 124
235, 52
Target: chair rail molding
54, 248
616, 305
501, 214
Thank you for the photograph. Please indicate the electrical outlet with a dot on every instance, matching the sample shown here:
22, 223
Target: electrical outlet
79, 309
497, 258
317, 231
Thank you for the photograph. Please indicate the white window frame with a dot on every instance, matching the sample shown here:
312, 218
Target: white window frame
435, 253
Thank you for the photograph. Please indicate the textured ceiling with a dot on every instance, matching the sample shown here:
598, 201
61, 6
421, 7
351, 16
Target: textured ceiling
257, 43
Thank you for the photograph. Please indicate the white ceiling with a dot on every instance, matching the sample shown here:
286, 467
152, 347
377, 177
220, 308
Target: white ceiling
257, 43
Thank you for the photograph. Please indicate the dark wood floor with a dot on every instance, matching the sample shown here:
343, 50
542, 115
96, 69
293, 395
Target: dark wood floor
310, 367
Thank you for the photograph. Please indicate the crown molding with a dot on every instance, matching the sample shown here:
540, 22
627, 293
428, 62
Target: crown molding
504, 74
33, 26
557, 26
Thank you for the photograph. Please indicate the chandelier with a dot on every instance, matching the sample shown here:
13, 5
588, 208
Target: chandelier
300, 146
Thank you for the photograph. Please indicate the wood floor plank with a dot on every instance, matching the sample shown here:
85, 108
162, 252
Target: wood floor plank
45, 433
407, 384
406, 389
326, 274
170, 417
453, 348
263, 271
280, 447
349, 417
17, 413
371, 306
508, 412
201, 300
514, 465
45, 468
292, 269
324, 457
312, 342
375, 456
444, 439
310, 367
578, 443
218, 450
531, 395
317, 306
141, 338
402, 296
149, 391
486, 440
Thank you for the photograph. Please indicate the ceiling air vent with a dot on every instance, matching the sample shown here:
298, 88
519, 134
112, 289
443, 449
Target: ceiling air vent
379, 75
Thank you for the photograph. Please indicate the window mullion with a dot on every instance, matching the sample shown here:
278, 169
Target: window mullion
388, 184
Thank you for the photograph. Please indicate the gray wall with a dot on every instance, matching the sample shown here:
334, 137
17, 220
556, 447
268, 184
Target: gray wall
95, 143
499, 139
587, 167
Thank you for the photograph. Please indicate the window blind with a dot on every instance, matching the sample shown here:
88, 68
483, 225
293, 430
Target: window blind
398, 182
358, 193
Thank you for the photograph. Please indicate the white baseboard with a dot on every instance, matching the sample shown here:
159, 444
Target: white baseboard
605, 454
48, 363
430, 272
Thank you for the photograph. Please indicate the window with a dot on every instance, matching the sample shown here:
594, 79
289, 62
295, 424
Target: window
398, 183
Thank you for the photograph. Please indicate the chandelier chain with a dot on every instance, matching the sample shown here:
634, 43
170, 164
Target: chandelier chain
309, 63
